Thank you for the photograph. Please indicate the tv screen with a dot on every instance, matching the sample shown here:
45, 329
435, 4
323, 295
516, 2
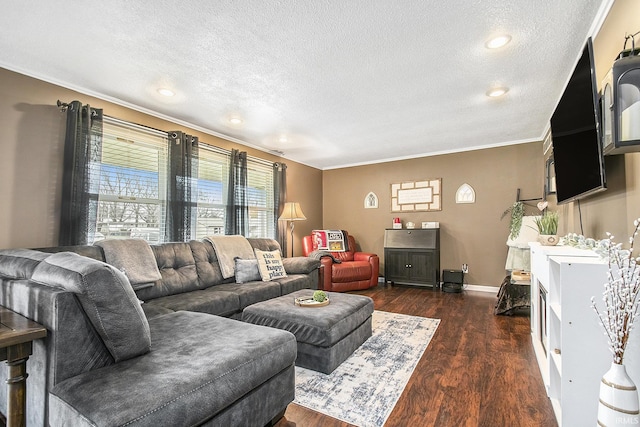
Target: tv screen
575, 134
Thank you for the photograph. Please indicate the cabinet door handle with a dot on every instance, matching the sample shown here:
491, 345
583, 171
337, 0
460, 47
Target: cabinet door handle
409, 265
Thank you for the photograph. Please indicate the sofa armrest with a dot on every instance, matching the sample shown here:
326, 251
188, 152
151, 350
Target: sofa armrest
300, 265
374, 260
363, 256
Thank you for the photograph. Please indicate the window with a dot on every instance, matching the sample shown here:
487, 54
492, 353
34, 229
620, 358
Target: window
132, 182
260, 199
213, 177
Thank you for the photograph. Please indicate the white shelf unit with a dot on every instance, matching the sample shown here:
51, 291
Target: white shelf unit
575, 354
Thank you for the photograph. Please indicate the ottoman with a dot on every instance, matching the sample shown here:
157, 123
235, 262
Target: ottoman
326, 336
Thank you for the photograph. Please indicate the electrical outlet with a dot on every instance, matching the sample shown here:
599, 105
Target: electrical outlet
465, 268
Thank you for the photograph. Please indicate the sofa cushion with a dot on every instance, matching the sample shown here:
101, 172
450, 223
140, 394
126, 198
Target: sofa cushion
247, 270
177, 268
154, 310
270, 265
106, 297
264, 244
220, 303
200, 365
19, 263
296, 282
207, 266
250, 293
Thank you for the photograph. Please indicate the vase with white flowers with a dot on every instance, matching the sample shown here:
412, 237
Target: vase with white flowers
618, 394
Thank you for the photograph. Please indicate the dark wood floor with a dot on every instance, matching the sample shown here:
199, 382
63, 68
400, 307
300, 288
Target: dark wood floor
479, 369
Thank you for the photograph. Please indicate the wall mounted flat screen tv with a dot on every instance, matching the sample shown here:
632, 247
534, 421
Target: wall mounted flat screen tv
575, 134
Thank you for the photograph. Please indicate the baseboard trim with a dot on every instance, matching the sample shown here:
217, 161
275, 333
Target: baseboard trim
482, 288
478, 288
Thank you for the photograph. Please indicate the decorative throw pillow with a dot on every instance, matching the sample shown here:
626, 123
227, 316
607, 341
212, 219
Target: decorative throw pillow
247, 270
270, 265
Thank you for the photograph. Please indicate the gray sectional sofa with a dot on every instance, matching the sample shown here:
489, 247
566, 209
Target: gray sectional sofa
180, 358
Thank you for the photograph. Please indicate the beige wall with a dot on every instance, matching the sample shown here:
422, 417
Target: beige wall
469, 233
31, 161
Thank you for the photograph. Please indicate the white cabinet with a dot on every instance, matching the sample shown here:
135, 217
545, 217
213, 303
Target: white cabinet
569, 343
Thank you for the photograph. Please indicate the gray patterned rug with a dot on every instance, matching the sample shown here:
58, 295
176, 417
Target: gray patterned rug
364, 389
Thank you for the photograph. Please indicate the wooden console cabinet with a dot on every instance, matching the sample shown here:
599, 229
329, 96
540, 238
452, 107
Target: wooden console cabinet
412, 256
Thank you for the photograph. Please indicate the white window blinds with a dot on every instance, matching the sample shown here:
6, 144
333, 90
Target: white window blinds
132, 182
260, 198
213, 177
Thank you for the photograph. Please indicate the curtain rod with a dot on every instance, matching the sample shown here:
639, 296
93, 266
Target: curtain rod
160, 132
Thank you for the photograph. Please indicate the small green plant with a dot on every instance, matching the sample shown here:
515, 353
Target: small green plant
319, 296
547, 223
515, 223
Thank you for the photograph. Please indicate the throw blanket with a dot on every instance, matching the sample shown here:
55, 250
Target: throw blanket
229, 247
512, 296
133, 257
319, 254
330, 240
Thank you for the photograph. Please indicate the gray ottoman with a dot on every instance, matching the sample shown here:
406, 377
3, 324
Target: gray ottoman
326, 335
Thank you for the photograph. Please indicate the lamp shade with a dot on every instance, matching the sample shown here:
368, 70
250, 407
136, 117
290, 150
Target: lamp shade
292, 212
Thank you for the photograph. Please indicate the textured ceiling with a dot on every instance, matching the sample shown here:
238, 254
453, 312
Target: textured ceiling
329, 83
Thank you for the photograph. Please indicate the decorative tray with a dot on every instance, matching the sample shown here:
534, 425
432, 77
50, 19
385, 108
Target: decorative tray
310, 302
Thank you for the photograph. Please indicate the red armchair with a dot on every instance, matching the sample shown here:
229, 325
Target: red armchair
358, 270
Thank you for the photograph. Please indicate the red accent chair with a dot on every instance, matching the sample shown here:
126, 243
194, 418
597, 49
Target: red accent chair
358, 270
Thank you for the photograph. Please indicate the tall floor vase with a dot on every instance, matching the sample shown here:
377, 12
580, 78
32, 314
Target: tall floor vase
618, 399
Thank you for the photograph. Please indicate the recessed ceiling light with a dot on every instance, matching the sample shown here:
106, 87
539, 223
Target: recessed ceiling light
283, 139
166, 92
498, 41
497, 91
235, 120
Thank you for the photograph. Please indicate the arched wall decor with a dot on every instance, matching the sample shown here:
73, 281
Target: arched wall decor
371, 201
465, 194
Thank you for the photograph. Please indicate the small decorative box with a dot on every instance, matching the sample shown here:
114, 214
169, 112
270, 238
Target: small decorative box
430, 224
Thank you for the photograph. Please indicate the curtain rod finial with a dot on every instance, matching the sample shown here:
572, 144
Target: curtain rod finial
62, 105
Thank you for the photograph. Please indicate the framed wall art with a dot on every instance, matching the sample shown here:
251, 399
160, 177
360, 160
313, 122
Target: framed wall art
416, 196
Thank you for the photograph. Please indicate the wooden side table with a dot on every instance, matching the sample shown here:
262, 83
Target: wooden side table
16, 337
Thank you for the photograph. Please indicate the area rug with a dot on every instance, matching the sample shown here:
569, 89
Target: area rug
364, 389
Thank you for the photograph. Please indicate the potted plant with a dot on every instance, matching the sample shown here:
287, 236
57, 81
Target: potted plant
515, 223
547, 228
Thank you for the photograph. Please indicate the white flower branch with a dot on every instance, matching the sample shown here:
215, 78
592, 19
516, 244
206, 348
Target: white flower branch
620, 296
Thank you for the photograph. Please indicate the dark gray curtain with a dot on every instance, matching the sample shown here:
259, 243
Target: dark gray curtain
80, 180
280, 195
182, 191
237, 218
